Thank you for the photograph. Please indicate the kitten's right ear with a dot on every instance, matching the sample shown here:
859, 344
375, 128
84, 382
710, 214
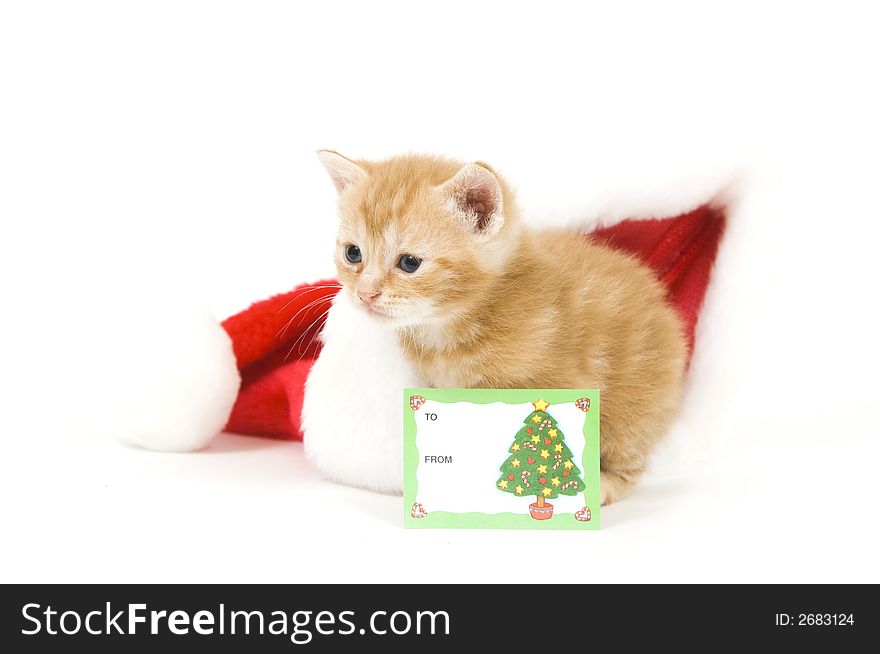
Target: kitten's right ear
474, 195
343, 171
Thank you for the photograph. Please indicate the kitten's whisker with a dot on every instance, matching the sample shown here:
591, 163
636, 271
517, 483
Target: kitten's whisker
315, 335
308, 290
304, 346
306, 331
283, 330
311, 304
292, 347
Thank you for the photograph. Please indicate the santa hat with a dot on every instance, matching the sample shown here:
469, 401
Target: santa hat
276, 340
313, 368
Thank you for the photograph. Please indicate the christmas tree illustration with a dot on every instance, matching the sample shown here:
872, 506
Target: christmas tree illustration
540, 463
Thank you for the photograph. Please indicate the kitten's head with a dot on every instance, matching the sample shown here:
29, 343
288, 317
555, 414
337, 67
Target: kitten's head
420, 237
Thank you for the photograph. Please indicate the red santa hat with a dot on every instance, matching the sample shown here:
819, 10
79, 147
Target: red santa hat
276, 340
306, 365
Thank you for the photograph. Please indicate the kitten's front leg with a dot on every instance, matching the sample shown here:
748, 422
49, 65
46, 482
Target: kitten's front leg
625, 446
614, 486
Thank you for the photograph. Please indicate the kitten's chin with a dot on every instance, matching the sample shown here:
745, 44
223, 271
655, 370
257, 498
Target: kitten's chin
410, 318
381, 316
394, 321
376, 314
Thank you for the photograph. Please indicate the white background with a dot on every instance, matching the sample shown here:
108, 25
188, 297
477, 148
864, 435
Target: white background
478, 438
162, 152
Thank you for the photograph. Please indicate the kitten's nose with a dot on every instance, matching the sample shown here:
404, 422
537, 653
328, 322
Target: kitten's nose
368, 297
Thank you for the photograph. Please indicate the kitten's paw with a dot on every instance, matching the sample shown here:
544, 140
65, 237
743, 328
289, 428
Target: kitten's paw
613, 487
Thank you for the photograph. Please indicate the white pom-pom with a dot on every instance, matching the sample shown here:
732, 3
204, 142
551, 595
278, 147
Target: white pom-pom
173, 381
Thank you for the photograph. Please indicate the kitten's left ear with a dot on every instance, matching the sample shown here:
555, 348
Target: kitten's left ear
343, 171
474, 194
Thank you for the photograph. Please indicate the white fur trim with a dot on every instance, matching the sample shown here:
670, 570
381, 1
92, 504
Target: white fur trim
352, 416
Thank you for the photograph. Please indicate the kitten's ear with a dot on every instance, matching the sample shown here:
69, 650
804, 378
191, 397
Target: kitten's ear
343, 171
474, 194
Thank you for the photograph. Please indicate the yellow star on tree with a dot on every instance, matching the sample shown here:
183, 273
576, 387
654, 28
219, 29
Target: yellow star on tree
502, 483
514, 447
536, 419
515, 463
555, 481
568, 465
558, 447
519, 490
552, 433
542, 469
547, 492
540, 405
545, 454
536, 439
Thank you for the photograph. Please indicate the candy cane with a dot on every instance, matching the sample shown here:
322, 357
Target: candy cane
546, 423
558, 458
568, 484
531, 446
525, 477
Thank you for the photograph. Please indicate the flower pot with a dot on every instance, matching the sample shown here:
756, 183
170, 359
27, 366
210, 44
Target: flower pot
541, 512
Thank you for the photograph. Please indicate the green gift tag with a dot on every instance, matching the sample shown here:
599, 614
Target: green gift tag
501, 459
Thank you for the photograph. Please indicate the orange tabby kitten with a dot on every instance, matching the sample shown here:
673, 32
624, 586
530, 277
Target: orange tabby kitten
436, 249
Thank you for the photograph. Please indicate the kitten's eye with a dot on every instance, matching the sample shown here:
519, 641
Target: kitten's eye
353, 254
409, 263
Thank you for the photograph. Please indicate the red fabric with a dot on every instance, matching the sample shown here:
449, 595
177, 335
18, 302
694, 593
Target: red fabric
275, 343
681, 250
275, 340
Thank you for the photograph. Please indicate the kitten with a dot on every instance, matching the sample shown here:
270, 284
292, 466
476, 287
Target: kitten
436, 250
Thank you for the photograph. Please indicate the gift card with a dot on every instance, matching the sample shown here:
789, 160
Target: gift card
501, 459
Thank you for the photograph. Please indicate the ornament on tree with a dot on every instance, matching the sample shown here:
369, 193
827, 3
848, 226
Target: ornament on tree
536, 468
